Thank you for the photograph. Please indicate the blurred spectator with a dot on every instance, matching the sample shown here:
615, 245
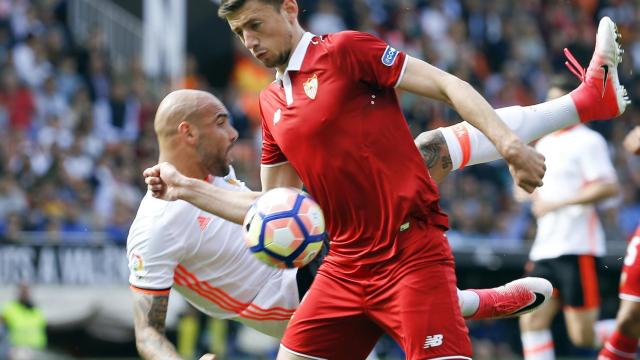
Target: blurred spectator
30, 61
25, 322
68, 80
49, 101
326, 18
117, 117
16, 101
13, 200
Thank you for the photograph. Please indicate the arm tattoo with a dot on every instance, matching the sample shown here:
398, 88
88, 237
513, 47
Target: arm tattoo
150, 312
434, 150
158, 312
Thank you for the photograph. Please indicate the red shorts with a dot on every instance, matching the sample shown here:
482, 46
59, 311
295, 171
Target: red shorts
411, 296
630, 279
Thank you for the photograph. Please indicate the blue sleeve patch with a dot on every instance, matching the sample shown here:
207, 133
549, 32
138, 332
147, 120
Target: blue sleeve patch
389, 56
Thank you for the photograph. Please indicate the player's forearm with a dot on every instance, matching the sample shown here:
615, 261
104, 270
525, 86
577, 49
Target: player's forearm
435, 153
229, 205
149, 314
474, 109
593, 193
152, 345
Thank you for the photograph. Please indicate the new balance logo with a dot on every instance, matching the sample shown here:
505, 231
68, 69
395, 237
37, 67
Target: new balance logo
433, 341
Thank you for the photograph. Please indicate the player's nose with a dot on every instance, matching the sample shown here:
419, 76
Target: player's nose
251, 41
233, 134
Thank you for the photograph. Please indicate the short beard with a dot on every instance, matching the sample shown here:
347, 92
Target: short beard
283, 57
280, 60
218, 168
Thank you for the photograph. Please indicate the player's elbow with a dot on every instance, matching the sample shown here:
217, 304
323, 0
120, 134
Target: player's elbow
611, 189
455, 87
143, 340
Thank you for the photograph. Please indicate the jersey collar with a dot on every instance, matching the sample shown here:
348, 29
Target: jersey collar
295, 62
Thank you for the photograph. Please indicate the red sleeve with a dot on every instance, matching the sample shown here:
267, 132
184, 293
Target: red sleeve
271, 153
367, 58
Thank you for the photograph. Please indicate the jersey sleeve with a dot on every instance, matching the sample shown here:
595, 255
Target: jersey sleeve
153, 253
271, 153
367, 58
595, 162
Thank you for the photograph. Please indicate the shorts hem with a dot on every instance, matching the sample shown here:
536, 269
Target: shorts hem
452, 357
579, 308
301, 354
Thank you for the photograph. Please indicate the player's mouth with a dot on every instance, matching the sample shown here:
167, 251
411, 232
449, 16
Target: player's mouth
229, 154
260, 54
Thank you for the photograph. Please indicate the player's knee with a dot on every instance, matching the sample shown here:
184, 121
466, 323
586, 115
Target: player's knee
585, 337
533, 322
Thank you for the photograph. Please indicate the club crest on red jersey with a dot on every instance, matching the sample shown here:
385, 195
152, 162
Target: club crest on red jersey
311, 87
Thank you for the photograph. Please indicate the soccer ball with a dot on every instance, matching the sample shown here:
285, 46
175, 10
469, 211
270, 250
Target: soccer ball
284, 228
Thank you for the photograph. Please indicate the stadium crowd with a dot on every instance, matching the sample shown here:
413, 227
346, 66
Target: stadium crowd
76, 131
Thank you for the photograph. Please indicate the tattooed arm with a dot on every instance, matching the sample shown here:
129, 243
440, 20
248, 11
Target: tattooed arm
435, 154
149, 314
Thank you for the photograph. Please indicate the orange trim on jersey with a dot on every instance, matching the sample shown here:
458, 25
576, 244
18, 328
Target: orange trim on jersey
589, 279
149, 291
539, 348
242, 313
220, 302
227, 302
227, 296
245, 310
462, 134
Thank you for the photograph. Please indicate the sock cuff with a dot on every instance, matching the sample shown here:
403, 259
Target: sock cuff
537, 344
537, 336
623, 342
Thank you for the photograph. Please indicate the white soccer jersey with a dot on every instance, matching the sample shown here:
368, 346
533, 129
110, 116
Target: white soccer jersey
574, 158
175, 244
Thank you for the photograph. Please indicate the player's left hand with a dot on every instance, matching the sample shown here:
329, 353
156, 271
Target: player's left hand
525, 164
540, 208
208, 357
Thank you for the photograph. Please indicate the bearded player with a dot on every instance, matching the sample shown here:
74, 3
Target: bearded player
203, 257
390, 268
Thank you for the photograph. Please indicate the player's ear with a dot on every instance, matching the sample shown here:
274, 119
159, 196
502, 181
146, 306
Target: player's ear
187, 132
290, 9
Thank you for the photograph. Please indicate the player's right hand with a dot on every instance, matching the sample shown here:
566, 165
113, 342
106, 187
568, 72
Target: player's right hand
525, 164
164, 181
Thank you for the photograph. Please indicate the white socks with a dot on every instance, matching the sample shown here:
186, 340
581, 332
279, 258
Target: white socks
469, 302
538, 345
468, 146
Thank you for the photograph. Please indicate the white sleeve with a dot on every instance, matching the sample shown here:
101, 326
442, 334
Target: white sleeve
154, 251
595, 161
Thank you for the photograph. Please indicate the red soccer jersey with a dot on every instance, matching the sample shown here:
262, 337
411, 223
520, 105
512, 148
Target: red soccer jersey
334, 115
